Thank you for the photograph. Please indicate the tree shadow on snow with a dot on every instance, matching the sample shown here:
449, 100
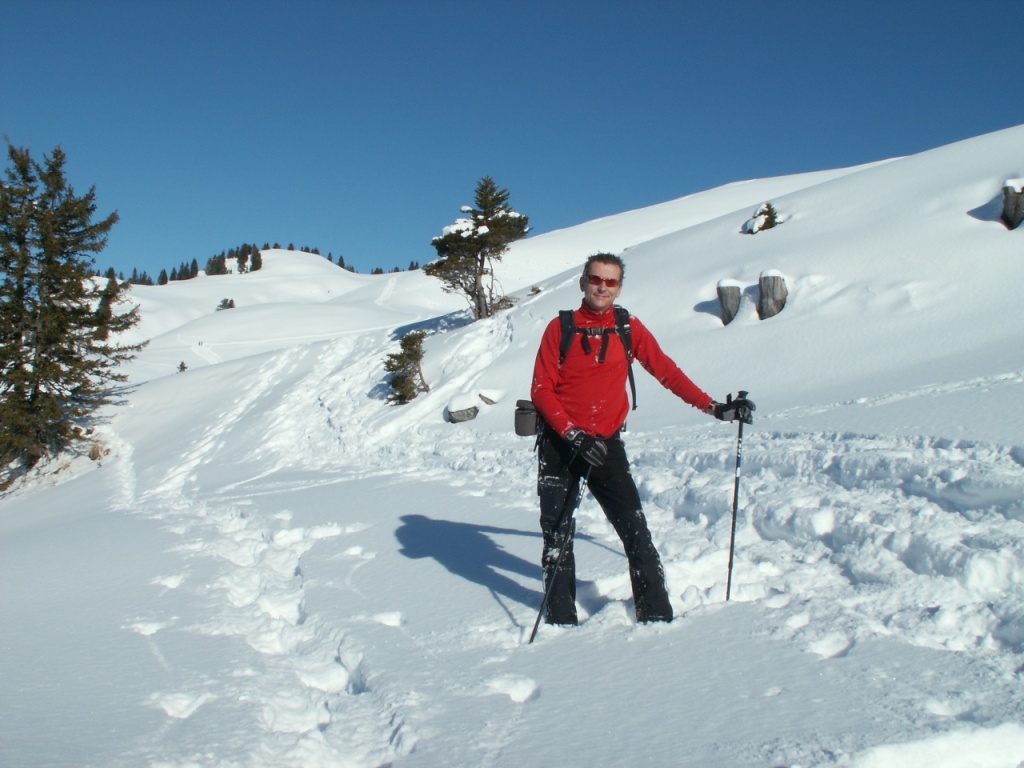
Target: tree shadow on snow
468, 551
435, 325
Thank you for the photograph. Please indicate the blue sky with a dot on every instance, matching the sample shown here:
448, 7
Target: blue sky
360, 128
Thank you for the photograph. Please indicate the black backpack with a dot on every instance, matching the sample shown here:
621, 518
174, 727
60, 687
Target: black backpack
569, 331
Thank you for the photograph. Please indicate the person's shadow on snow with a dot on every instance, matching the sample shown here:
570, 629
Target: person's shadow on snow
469, 552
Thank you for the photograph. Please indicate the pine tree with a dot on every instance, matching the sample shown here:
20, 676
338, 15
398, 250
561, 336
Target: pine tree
406, 369
56, 362
468, 248
217, 265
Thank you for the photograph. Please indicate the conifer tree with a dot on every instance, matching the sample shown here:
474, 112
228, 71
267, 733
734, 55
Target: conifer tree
406, 369
468, 249
217, 265
56, 360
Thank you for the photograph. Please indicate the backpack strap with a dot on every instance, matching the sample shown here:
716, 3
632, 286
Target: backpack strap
568, 320
626, 334
622, 327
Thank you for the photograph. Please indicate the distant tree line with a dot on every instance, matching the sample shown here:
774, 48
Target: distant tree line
413, 266
247, 257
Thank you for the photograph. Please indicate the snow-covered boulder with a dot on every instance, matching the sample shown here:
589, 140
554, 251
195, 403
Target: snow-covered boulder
765, 217
463, 408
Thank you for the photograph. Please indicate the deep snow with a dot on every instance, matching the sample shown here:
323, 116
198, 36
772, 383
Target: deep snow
272, 567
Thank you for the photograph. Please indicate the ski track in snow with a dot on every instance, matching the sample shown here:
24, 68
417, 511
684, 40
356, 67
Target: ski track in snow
311, 695
808, 505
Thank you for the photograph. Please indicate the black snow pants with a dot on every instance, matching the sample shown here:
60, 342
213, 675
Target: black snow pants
559, 476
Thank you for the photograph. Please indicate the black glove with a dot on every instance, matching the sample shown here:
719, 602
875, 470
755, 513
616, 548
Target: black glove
592, 450
741, 408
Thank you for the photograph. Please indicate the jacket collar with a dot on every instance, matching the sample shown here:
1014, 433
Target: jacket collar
594, 318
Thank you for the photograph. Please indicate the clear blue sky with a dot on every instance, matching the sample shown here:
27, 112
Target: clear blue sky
360, 128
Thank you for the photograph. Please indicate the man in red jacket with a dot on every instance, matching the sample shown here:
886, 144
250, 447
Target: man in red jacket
584, 404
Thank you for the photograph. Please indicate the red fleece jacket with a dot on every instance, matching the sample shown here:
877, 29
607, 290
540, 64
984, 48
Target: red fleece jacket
590, 395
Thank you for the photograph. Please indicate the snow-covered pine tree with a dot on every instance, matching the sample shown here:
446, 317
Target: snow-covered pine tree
468, 249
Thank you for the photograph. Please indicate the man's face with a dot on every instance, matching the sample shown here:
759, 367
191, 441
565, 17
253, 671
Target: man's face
601, 297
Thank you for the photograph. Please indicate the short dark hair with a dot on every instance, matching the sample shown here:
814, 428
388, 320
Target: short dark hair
606, 258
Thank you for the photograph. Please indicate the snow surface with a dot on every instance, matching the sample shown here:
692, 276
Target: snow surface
270, 566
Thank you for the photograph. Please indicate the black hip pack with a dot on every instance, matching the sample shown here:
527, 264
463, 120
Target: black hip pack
528, 421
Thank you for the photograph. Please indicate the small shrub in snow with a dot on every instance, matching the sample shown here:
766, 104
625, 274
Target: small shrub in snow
406, 369
765, 217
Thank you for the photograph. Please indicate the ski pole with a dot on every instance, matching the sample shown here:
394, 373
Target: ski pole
561, 552
735, 499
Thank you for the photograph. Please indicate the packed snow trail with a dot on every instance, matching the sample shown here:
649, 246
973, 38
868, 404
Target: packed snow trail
299, 676
850, 548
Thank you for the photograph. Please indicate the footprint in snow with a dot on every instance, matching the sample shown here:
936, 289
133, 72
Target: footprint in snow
147, 628
388, 618
519, 689
181, 705
831, 645
169, 582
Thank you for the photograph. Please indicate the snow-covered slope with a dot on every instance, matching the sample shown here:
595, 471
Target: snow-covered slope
272, 567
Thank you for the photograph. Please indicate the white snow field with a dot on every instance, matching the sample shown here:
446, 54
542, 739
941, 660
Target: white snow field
270, 566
